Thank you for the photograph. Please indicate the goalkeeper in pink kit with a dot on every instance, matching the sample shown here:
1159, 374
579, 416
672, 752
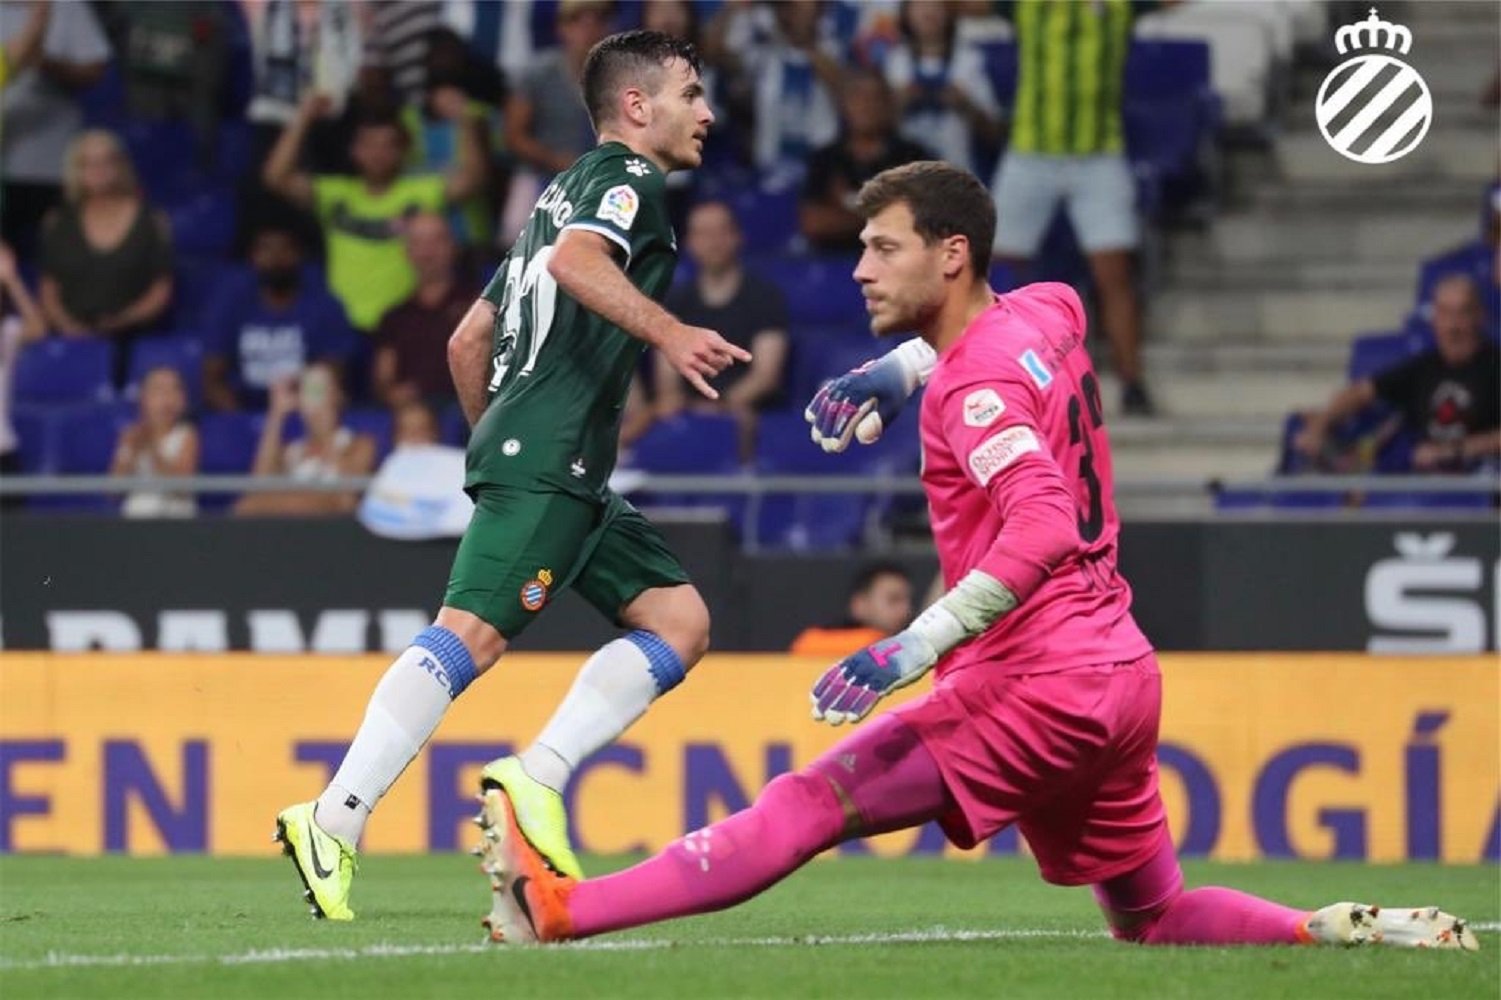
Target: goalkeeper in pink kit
1046, 696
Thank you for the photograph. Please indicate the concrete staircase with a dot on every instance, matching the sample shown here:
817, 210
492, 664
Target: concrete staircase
1253, 316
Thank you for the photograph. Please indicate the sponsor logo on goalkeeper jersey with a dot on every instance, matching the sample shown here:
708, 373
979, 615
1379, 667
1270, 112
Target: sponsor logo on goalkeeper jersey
1036, 369
982, 408
997, 452
619, 205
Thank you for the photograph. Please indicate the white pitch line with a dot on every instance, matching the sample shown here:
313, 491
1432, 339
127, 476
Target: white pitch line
276, 956
940, 935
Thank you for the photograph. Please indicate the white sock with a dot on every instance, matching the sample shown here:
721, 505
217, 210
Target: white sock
405, 708
612, 690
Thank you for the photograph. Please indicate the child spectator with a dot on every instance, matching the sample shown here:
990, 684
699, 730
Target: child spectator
328, 450
160, 443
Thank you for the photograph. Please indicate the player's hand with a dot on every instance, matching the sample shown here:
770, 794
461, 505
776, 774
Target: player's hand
698, 354
850, 688
861, 403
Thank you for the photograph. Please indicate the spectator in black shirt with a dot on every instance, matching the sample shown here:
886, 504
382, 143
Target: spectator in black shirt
1449, 398
746, 310
868, 144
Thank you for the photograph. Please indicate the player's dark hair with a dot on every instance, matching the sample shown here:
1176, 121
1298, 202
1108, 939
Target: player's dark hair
945, 200
630, 58
871, 572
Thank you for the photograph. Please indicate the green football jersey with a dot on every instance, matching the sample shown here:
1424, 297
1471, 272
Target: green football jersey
561, 373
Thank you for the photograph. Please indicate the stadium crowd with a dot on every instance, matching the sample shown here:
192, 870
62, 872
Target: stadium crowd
251, 226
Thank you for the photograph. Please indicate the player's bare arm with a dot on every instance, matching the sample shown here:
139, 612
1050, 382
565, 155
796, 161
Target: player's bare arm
584, 266
1039, 533
469, 358
280, 173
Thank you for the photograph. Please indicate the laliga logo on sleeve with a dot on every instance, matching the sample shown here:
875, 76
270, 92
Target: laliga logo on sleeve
1373, 107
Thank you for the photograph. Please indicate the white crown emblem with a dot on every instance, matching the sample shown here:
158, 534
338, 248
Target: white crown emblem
1372, 29
1373, 108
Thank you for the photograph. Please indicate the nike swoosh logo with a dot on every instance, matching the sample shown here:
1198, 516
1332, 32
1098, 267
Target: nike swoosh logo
518, 890
318, 869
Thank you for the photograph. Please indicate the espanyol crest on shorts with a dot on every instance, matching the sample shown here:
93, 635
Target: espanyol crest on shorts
1373, 107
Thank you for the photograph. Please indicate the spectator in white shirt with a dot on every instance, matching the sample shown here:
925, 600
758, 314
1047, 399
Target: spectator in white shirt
944, 98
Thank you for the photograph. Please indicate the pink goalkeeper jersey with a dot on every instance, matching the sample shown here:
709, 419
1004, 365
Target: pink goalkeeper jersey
1017, 472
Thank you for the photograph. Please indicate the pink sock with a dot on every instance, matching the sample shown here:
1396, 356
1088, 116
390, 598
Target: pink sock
1157, 911
1213, 915
881, 769
796, 817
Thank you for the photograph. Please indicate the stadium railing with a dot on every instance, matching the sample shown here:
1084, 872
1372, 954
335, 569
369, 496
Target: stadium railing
1192, 497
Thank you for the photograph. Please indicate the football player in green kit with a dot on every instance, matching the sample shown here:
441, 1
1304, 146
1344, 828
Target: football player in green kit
542, 363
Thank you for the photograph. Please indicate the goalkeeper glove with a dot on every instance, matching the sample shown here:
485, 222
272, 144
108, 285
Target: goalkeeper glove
849, 689
863, 403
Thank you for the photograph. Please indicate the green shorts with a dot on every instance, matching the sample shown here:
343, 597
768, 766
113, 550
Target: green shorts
522, 547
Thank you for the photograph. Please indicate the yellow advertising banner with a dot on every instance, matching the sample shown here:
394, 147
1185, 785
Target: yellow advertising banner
1275, 755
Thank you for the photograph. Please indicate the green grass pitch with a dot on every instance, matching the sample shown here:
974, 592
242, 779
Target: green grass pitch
200, 927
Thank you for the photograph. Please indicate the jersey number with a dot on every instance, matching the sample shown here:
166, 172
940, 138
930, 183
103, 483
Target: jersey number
526, 281
1092, 522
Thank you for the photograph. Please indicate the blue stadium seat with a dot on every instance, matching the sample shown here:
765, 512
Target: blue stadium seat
819, 289
1373, 353
1166, 70
1418, 501
227, 443
65, 370
84, 439
226, 447
768, 220
1002, 277
1000, 67
690, 444
204, 223
180, 351
164, 154
1170, 114
196, 281
375, 421
35, 437
453, 428
87, 435
103, 104
824, 520
819, 353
